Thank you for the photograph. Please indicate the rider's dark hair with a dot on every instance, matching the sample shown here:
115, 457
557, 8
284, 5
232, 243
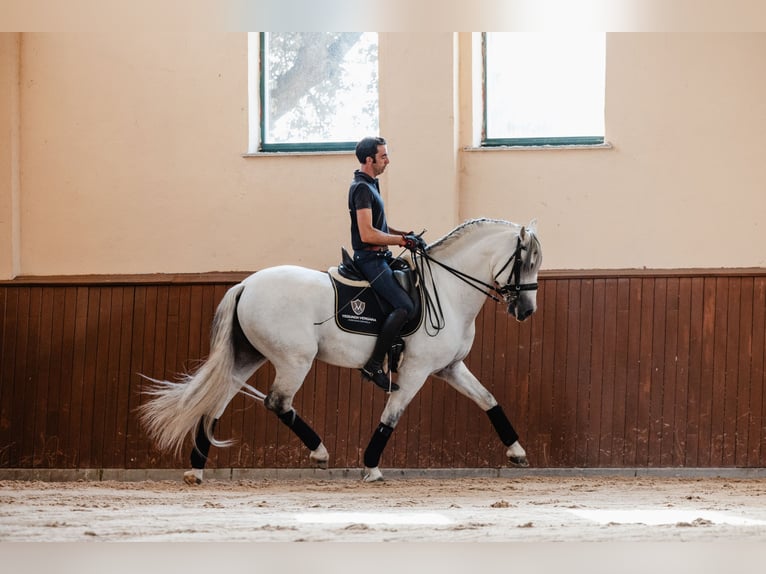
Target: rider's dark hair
368, 147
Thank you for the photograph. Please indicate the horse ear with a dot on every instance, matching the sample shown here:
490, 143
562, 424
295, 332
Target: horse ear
523, 233
532, 226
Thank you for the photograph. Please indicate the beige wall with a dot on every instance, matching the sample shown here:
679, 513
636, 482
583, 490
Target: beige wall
9, 155
131, 158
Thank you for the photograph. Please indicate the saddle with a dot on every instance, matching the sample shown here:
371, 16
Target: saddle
359, 310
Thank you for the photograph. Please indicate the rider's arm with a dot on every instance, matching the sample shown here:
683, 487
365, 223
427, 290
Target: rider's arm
375, 236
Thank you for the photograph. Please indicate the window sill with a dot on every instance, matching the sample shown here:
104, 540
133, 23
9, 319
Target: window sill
601, 146
296, 153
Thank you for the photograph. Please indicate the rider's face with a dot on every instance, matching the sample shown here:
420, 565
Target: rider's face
381, 160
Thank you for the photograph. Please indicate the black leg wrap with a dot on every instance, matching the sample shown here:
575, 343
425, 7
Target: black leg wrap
502, 425
201, 445
301, 429
377, 444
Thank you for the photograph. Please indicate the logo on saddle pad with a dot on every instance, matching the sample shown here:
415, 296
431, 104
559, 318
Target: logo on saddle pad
357, 306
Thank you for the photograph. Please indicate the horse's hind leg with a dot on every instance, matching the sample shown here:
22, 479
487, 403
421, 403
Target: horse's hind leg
460, 378
280, 401
247, 361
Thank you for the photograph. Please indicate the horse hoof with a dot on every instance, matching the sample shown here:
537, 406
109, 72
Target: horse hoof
372, 475
519, 461
320, 457
193, 477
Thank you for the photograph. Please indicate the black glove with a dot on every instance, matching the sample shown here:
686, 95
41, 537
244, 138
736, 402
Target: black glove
414, 242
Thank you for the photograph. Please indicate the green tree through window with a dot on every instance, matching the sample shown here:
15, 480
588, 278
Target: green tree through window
318, 90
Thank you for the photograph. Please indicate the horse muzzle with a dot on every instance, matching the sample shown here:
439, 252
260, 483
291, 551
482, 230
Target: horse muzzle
521, 309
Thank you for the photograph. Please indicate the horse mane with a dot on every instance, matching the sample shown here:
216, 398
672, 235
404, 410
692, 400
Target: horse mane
467, 227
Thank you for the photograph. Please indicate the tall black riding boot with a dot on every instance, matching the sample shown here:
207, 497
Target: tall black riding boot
373, 370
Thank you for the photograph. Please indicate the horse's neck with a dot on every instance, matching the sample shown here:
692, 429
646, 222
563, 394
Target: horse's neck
473, 255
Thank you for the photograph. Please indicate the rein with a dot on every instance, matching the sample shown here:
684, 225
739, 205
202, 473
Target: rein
505, 294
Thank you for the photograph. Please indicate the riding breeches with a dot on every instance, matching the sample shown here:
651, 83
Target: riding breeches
376, 267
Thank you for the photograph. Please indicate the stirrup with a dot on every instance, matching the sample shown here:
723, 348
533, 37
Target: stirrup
379, 377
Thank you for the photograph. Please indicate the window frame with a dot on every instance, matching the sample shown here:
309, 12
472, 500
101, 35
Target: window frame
298, 147
485, 142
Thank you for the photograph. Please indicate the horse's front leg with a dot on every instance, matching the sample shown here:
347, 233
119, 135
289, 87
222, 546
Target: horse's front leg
459, 377
395, 406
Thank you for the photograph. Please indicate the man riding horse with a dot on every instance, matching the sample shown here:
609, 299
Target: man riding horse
370, 237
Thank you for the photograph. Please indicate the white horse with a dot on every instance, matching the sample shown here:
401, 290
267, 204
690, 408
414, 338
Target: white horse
279, 315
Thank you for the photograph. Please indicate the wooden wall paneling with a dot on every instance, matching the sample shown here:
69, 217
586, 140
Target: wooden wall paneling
356, 414
134, 433
743, 371
168, 316
53, 453
597, 353
123, 378
707, 375
31, 379
731, 381
78, 376
659, 345
644, 369
101, 383
639, 370
609, 367
544, 438
22, 380
670, 374
519, 337
756, 456
425, 454
633, 374
696, 352
718, 398
41, 380
530, 432
559, 353
584, 382
159, 363
620, 414
341, 450
8, 339
148, 368
59, 382
450, 440
681, 397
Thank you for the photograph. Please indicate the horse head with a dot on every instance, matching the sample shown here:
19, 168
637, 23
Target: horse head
520, 290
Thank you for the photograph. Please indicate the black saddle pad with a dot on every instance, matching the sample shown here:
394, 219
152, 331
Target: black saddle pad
358, 309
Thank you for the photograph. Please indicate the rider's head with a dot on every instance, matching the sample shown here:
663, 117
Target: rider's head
368, 147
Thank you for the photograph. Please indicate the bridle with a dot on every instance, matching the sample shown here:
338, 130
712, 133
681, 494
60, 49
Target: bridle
513, 287
508, 293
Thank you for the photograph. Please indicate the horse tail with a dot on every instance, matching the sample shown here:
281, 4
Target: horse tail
176, 407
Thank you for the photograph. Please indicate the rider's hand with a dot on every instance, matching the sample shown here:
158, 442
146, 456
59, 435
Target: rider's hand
414, 242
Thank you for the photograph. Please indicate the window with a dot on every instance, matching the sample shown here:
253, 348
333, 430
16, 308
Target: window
318, 91
543, 88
